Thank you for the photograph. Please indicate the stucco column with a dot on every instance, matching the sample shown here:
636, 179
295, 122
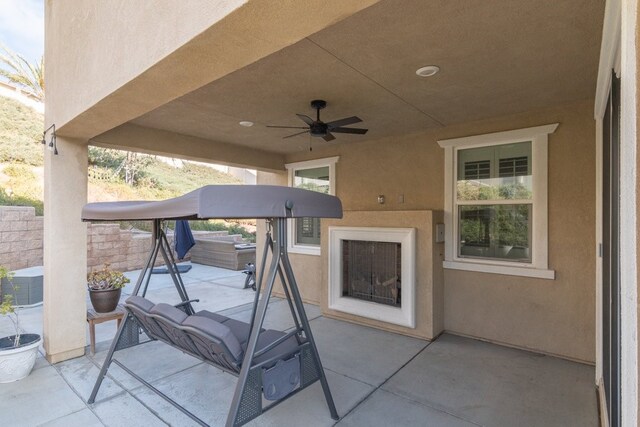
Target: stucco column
65, 250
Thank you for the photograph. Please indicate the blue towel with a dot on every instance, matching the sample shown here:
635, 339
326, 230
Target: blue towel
183, 238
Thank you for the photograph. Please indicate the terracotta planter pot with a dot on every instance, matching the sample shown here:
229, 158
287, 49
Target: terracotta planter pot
17, 362
106, 300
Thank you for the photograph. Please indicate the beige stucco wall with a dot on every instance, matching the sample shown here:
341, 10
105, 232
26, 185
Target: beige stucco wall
557, 317
64, 312
551, 316
637, 349
131, 137
78, 30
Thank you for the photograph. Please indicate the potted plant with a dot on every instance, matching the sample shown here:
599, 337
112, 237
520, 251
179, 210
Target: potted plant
105, 287
17, 352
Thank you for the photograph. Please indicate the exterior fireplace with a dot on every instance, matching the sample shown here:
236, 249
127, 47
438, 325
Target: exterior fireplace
372, 273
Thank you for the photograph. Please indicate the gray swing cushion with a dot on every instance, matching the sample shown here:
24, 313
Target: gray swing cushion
240, 329
217, 330
213, 316
169, 312
215, 337
141, 303
141, 308
282, 349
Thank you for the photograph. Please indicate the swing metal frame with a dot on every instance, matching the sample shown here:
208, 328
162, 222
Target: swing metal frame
247, 398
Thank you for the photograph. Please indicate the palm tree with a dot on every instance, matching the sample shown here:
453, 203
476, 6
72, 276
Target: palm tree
21, 72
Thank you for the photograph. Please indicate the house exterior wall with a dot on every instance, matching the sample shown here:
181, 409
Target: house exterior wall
65, 250
93, 48
556, 316
551, 316
637, 211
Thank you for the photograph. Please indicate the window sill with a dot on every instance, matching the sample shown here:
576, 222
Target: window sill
304, 250
501, 269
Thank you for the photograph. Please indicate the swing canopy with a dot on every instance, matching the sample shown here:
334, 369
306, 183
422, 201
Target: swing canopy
223, 201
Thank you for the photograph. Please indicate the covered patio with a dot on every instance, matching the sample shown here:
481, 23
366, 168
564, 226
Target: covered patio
377, 378
494, 151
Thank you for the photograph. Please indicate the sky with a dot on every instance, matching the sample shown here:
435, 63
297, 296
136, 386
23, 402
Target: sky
22, 27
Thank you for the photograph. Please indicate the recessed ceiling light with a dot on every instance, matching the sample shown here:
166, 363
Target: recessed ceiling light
246, 123
427, 71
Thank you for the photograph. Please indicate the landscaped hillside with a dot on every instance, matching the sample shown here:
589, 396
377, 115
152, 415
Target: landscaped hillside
113, 175
118, 175
20, 133
20, 155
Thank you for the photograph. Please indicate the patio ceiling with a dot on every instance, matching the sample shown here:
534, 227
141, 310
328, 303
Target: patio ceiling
496, 58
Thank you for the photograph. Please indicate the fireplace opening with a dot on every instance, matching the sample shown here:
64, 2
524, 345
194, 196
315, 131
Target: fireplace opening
372, 271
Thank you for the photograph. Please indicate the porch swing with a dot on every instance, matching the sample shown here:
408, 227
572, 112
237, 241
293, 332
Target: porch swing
271, 366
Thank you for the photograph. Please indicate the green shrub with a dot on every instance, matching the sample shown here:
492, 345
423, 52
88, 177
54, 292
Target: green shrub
17, 200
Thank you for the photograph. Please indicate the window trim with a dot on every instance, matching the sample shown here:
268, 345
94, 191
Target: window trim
539, 155
292, 246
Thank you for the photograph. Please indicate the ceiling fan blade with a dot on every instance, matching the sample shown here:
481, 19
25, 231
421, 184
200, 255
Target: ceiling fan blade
308, 120
344, 122
350, 130
295, 134
287, 127
328, 137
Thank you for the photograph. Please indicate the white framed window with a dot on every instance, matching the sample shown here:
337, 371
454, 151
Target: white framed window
496, 202
316, 175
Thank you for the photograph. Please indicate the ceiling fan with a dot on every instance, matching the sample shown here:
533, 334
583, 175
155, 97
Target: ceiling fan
323, 130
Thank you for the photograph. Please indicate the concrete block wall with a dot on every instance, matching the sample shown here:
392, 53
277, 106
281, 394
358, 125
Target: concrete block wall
123, 250
21, 242
21, 235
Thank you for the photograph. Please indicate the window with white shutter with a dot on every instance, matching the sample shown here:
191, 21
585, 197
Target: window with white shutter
496, 202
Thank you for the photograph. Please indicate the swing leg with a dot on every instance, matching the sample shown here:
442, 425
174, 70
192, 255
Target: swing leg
145, 274
107, 360
285, 287
256, 325
260, 275
305, 324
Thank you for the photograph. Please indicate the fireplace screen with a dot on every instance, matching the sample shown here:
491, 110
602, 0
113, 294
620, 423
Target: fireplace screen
372, 271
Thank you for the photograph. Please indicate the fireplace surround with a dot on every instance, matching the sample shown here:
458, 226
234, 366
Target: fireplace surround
429, 291
372, 273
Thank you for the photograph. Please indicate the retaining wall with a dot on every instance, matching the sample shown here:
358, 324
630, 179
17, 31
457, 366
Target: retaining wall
21, 242
20, 237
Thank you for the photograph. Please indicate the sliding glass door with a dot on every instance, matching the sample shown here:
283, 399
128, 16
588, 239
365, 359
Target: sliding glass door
610, 253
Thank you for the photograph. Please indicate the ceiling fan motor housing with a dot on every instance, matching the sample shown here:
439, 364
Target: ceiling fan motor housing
318, 129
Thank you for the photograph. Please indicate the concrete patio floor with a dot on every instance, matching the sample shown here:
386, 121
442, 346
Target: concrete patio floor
377, 378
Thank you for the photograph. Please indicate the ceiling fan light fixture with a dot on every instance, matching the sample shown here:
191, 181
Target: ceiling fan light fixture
427, 71
246, 123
